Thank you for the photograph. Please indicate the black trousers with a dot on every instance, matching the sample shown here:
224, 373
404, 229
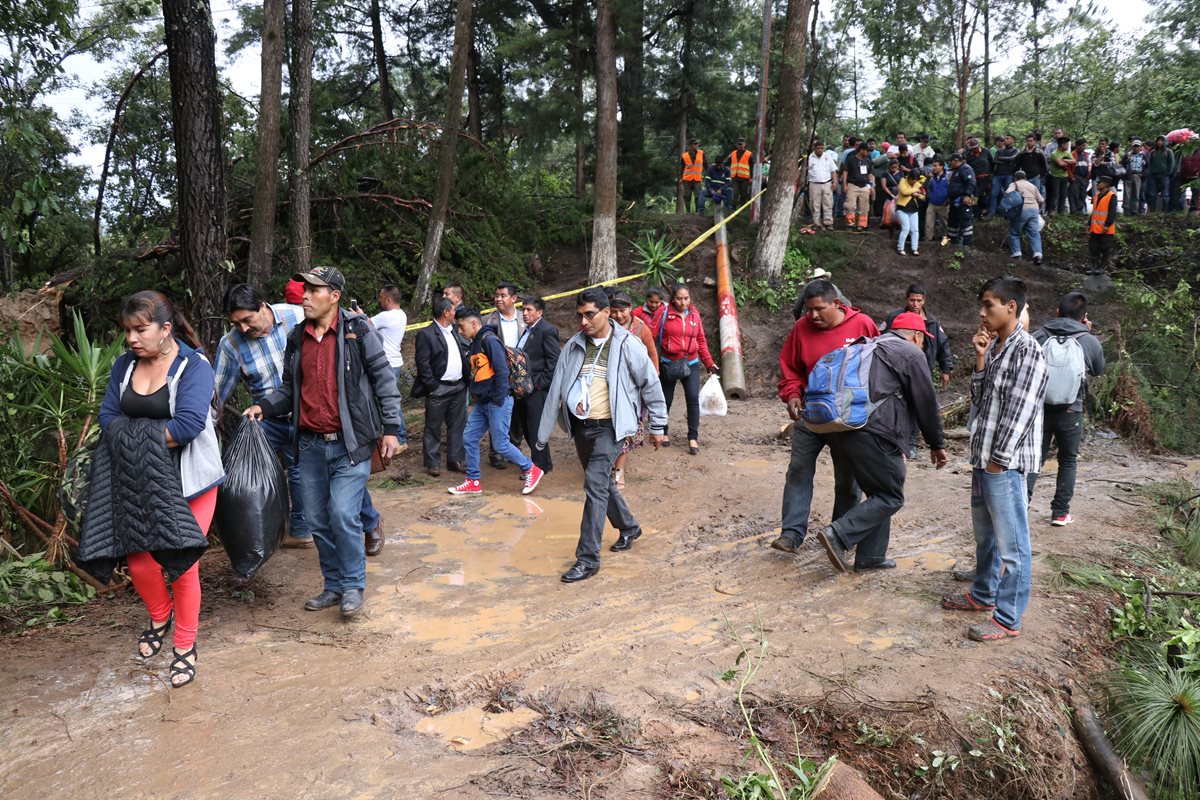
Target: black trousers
1061, 424
879, 471
691, 393
598, 448
1101, 246
449, 410
527, 416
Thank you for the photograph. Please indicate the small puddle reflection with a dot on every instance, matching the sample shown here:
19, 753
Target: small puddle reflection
473, 728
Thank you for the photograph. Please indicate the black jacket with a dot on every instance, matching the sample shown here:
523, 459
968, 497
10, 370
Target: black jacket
135, 503
541, 351
1005, 161
368, 398
1093, 351
900, 378
980, 162
962, 183
1033, 163
937, 343
432, 356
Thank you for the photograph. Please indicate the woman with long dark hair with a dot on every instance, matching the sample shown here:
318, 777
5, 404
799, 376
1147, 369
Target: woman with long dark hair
155, 474
682, 347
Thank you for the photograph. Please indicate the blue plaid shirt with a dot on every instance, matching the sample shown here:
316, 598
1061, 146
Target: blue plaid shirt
257, 361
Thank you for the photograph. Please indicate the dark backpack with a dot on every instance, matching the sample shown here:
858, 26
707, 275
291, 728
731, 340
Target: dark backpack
520, 382
1010, 205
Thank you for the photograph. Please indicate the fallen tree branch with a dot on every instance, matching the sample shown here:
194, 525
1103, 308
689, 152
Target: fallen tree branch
1110, 766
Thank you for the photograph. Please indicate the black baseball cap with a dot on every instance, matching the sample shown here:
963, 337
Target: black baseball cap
323, 276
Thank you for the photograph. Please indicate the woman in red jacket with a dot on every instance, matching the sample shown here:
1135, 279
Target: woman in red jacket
682, 346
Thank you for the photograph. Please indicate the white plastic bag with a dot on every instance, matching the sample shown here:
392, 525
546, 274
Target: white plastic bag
712, 398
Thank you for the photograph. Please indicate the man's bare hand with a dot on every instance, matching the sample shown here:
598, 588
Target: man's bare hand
253, 412
389, 448
939, 458
945, 379
657, 440
794, 407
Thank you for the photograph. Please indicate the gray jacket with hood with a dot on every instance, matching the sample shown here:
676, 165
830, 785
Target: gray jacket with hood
632, 381
1093, 351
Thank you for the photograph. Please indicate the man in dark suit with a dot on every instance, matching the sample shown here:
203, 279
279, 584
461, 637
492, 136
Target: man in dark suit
441, 380
540, 342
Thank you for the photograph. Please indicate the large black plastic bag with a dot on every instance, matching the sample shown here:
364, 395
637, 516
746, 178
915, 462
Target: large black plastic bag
252, 503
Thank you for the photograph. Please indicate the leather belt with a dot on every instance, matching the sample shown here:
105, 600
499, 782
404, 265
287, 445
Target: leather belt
592, 423
329, 437
821, 182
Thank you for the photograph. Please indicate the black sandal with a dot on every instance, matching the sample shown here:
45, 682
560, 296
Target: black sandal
187, 668
153, 637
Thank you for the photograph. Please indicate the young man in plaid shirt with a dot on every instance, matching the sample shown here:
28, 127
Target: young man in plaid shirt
1007, 391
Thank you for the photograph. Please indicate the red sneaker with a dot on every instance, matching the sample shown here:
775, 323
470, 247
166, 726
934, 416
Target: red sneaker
532, 479
466, 487
1061, 520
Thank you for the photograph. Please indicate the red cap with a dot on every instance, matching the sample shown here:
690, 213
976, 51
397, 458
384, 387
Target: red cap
294, 293
908, 321
884, 146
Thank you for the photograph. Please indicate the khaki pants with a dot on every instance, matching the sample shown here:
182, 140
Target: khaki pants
936, 221
820, 198
858, 205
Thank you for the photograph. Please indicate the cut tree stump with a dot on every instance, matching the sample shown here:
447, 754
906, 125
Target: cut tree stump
844, 783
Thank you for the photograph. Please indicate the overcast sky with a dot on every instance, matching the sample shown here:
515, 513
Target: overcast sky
243, 74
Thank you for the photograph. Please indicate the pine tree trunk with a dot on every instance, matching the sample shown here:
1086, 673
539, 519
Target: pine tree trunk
381, 65
604, 218
446, 157
266, 170
474, 101
771, 243
199, 159
685, 97
578, 58
631, 133
300, 117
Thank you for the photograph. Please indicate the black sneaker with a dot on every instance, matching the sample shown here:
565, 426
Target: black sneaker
786, 544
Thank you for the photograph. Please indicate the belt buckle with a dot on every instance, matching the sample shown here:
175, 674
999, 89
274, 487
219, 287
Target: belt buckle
331, 437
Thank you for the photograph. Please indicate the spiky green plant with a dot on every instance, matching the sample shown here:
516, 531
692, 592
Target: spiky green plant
653, 255
1154, 712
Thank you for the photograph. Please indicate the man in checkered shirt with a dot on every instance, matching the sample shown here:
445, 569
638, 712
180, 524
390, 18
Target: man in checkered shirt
1008, 386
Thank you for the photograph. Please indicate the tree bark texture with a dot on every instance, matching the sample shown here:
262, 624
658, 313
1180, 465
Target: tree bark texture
266, 170
446, 157
603, 265
474, 91
630, 20
199, 158
381, 63
578, 60
300, 117
770, 245
685, 96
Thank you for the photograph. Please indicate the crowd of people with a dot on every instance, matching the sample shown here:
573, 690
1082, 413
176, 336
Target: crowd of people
325, 384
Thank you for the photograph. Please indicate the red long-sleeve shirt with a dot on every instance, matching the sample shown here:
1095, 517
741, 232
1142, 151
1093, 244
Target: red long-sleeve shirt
807, 343
682, 337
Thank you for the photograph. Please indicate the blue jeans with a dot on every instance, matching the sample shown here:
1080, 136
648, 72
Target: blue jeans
910, 227
1037, 181
1028, 224
333, 490
999, 184
495, 420
798, 484
1003, 559
1158, 187
403, 435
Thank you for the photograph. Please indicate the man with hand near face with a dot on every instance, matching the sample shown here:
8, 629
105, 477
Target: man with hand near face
335, 369
603, 377
1008, 386
827, 325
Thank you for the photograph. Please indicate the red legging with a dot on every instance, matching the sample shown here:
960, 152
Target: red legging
147, 577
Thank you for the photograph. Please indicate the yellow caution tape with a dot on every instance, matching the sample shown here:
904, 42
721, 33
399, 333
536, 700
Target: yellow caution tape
692, 246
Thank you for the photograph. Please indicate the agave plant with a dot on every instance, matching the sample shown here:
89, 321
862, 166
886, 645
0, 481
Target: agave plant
654, 255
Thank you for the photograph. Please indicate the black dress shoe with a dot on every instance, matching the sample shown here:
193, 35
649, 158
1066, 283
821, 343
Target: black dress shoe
579, 572
834, 549
325, 599
786, 544
498, 463
456, 466
352, 602
886, 563
374, 540
624, 542
434, 472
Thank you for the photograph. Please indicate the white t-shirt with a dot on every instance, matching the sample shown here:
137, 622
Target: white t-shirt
390, 325
821, 168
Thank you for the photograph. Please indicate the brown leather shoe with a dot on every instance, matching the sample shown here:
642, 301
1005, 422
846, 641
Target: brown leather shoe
374, 540
435, 472
292, 541
456, 466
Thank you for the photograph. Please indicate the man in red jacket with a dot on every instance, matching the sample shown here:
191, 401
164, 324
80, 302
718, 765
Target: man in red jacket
827, 325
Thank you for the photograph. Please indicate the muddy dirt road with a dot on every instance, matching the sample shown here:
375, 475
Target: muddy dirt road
466, 612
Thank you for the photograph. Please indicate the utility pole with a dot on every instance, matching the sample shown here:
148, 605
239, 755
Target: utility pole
760, 135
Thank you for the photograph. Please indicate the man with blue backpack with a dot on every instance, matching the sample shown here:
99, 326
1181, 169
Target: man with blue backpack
1022, 205
1072, 352
865, 397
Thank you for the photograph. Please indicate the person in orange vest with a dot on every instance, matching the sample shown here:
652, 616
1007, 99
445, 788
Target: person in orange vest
1102, 232
692, 179
741, 168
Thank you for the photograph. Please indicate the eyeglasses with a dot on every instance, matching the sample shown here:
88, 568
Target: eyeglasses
589, 315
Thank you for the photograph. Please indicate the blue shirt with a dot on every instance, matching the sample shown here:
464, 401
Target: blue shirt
259, 362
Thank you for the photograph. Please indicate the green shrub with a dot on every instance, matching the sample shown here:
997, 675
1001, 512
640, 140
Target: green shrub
33, 592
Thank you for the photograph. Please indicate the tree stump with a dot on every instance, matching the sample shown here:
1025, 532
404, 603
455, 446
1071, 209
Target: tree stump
844, 783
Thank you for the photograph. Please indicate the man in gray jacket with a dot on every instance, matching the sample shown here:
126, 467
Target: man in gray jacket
603, 377
1072, 352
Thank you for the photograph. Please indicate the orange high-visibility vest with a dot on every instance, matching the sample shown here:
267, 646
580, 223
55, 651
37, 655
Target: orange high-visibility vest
1100, 214
739, 167
693, 170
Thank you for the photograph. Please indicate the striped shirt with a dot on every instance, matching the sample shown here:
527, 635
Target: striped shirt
259, 362
1006, 405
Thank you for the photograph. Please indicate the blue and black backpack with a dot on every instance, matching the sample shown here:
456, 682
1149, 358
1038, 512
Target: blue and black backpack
838, 395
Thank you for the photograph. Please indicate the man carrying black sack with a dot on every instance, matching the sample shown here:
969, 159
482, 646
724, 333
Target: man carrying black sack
901, 385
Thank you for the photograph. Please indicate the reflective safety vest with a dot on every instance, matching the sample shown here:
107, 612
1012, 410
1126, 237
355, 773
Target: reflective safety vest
1100, 214
740, 167
693, 170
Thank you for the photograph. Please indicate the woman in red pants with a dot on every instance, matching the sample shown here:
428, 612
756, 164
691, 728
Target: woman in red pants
164, 376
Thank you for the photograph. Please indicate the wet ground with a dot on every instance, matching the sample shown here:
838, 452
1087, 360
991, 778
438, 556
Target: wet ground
465, 606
